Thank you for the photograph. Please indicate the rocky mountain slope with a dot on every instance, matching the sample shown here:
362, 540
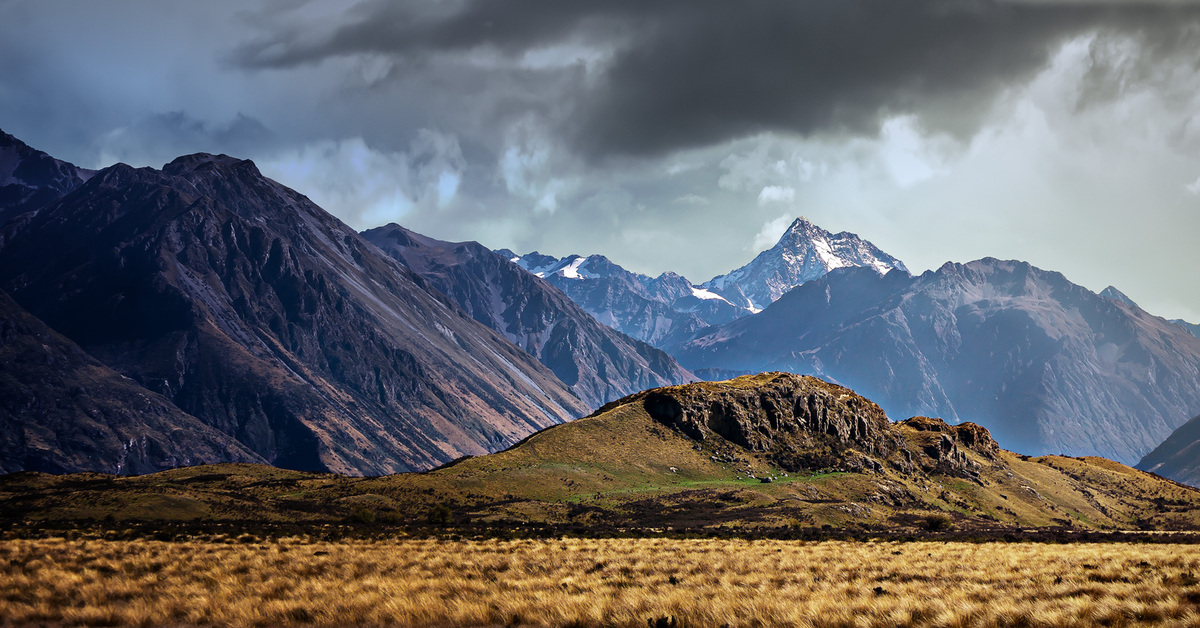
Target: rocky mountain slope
62, 410
1046, 365
30, 178
805, 252
599, 363
771, 452
263, 316
1178, 457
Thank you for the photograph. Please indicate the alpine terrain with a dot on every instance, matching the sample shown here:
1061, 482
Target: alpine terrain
61, 410
767, 452
30, 178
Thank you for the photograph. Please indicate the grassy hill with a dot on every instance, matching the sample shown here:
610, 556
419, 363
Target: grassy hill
761, 451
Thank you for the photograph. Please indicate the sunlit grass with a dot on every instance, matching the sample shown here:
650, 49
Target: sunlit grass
595, 582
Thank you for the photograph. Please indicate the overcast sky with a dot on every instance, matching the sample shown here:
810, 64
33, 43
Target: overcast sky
679, 135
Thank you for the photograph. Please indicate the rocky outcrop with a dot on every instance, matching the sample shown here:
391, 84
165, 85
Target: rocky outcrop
804, 423
941, 447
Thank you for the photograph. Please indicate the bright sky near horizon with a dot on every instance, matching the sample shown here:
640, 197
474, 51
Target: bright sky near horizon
680, 135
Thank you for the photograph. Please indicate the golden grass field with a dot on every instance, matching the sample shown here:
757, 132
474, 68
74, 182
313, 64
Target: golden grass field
594, 582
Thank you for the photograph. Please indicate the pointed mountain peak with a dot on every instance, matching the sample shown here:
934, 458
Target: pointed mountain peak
804, 252
803, 225
1113, 294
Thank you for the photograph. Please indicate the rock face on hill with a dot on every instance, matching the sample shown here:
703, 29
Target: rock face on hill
597, 362
1046, 365
266, 318
801, 422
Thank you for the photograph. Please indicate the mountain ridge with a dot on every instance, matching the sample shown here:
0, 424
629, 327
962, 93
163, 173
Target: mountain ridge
262, 315
804, 252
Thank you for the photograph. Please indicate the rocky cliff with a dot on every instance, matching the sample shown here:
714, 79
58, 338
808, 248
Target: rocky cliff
804, 423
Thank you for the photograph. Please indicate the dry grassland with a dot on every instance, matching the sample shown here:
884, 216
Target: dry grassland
605, 582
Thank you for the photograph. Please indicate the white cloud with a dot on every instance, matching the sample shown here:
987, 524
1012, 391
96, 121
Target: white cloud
680, 167
1193, 187
776, 194
908, 156
368, 187
771, 161
529, 165
771, 232
691, 199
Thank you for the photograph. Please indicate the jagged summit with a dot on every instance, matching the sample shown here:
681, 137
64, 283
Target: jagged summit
667, 309
804, 252
1118, 296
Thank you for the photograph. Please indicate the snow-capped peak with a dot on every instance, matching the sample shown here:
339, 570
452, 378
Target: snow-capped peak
805, 252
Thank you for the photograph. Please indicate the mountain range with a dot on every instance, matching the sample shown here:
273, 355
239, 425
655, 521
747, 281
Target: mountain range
668, 309
261, 316
204, 313
30, 178
805, 252
1046, 365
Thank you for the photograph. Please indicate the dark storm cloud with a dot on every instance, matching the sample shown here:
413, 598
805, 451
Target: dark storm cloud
689, 73
380, 26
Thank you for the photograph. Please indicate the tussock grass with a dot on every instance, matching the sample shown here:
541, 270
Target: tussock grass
595, 582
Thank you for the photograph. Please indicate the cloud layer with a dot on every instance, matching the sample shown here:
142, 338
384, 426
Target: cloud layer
668, 135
